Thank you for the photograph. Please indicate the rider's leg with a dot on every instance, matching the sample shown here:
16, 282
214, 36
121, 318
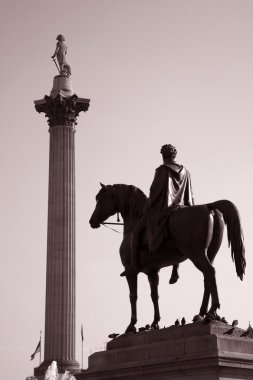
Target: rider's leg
174, 275
135, 237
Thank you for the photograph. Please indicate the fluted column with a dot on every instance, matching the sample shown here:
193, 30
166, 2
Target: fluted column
59, 342
60, 288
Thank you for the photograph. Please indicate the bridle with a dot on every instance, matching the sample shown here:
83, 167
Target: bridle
118, 223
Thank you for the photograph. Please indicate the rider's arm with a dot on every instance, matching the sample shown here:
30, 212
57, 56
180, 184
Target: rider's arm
56, 50
159, 185
189, 199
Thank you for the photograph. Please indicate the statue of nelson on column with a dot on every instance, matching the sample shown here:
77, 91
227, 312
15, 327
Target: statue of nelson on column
60, 54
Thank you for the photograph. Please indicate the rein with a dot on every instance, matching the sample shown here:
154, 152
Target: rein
115, 224
120, 224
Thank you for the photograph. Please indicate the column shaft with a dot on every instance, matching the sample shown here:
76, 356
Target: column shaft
60, 288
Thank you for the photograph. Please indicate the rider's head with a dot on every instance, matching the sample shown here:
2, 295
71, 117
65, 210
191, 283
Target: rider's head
168, 152
60, 38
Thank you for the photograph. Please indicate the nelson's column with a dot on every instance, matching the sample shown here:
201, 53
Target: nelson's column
61, 108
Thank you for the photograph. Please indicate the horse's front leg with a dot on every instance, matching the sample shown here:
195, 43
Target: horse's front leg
132, 283
154, 282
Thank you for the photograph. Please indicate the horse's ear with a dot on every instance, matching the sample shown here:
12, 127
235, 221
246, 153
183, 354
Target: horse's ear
102, 185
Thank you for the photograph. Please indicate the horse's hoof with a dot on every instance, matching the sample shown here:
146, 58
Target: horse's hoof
212, 315
131, 329
155, 326
197, 318
173, 279
209, 317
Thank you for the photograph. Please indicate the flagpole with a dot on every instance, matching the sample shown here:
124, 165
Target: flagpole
40, 346
82, 344
82, 355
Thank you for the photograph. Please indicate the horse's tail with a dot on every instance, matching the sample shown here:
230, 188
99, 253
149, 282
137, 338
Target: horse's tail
234, 231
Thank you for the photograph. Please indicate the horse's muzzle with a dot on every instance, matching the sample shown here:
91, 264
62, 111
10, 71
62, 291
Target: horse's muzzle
94, 224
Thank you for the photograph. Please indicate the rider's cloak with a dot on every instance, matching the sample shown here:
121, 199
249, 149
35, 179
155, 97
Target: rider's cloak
170, 189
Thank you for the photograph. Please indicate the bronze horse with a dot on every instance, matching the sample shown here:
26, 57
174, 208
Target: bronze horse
196, 233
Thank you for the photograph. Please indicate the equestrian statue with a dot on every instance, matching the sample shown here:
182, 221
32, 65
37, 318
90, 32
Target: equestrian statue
168, 228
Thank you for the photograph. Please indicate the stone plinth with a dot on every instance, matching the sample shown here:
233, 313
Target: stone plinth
62, 86
192, 352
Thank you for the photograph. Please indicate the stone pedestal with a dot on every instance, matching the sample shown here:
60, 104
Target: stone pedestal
62, 85
61, 109
191, 352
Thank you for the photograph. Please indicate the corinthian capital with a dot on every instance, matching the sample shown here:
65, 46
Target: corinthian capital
62, 110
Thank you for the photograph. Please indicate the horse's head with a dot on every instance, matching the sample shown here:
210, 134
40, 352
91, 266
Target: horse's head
106, 206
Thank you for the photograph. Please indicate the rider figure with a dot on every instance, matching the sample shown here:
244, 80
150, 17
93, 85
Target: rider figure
170, 189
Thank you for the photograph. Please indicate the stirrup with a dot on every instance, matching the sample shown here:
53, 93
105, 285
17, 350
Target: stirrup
129, 272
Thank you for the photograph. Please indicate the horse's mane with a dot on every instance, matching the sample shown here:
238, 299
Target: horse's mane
131, 198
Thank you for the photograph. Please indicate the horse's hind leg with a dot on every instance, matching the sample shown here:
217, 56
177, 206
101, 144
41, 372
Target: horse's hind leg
154, 282
205, 301
132, 283
211, 253
203, 264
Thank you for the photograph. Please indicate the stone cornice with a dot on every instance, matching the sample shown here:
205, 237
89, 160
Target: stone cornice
62, 110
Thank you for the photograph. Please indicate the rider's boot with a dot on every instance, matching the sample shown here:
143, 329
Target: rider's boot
174, 274
132, 269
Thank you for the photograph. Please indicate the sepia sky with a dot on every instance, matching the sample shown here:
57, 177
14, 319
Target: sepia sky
157, 72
